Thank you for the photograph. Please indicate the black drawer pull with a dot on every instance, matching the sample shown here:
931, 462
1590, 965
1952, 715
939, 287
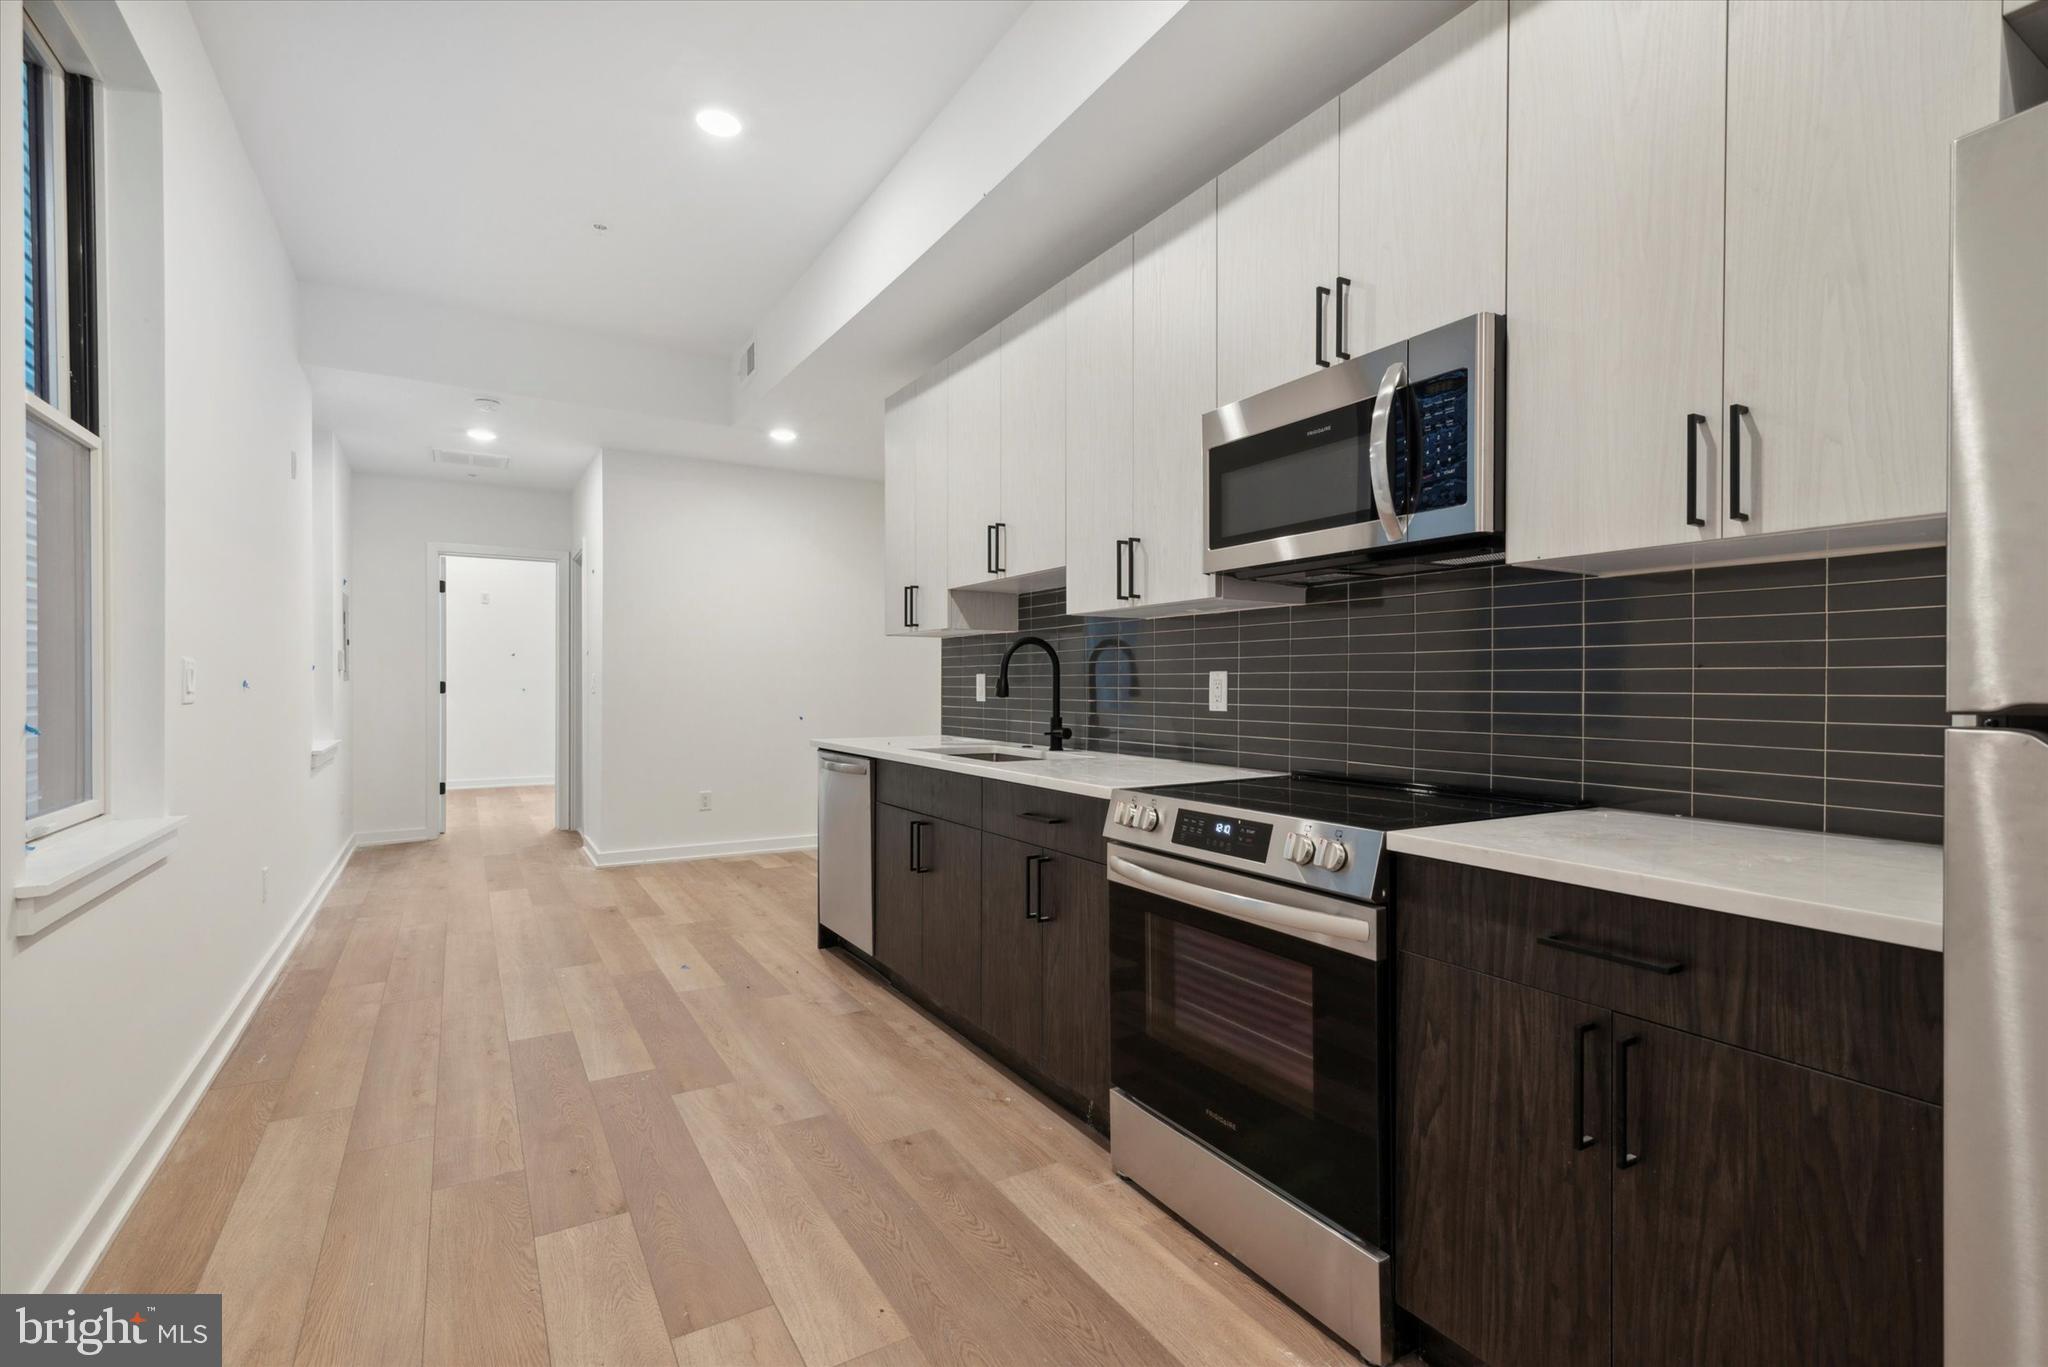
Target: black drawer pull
1624, 1156
1034, 887
1557, 939
1042, 818
917, 864
1582, 1138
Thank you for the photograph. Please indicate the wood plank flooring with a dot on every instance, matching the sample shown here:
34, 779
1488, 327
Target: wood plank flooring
502, 1108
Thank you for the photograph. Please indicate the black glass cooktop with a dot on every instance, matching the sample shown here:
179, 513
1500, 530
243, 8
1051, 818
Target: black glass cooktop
1362, 803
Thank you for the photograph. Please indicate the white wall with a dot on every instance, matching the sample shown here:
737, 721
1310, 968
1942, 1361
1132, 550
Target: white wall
393, 521
588, 511
738, 625
108, 1016
501, 672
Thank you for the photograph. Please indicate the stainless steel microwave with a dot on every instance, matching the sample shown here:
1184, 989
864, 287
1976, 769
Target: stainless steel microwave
1392, 459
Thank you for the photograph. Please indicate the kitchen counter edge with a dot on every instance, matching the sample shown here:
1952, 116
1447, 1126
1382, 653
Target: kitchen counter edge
1057, 771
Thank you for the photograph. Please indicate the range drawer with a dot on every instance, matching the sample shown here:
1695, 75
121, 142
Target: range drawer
1856, 1008
934, 792
1045, 817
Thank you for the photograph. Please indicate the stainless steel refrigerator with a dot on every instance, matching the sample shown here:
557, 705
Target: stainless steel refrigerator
1995, 902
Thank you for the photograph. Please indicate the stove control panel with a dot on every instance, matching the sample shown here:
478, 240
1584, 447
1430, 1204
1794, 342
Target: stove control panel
1222, 834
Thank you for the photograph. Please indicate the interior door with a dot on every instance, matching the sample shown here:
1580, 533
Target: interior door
1501, 1161
1769, 1211
1616, 120
438, 802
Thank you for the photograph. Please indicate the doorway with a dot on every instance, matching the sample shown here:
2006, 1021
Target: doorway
500, 680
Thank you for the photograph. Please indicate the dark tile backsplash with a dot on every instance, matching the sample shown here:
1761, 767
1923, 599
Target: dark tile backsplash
1806, 693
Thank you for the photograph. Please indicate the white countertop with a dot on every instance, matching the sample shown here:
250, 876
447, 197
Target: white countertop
1090, 773
1886, 890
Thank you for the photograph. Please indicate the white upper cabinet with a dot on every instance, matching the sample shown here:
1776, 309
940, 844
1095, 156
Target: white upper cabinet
1424, 185
899, 510
1840, 116
1031, 535
1098, 418
974, 417
1276, 259
1615, 126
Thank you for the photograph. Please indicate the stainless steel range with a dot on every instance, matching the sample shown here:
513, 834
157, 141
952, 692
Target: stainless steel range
1251, 1023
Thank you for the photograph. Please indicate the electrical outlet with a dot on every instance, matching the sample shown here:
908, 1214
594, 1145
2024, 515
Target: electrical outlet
704, 801
188, 681
1219, 690
981, 688
266, 884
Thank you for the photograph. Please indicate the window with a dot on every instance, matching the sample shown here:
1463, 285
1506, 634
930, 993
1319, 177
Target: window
64, 735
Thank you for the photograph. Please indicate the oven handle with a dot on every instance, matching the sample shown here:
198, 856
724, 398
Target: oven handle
1376, 452
1351, 934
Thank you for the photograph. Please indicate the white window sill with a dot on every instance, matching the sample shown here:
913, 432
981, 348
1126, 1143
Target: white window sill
61, 873
324, 752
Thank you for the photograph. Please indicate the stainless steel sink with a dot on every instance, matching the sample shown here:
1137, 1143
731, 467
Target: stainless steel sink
991, 756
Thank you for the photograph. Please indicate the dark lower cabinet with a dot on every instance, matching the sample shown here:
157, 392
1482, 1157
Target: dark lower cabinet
1045, 963
927, 904
899, 891
1577, 1186
1772, 1213
951, 960
1501, 1205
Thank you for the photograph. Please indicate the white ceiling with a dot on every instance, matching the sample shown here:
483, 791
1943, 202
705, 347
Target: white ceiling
460, 151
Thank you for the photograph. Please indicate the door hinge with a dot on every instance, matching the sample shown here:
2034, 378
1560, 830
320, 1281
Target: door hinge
444, 790
444, 586
444, 685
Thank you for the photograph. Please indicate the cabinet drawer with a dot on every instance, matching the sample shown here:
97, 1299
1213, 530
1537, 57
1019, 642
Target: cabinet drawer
1856, 1008
935, 792
1045, 817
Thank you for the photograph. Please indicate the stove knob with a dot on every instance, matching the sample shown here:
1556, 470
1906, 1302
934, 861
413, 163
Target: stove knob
1116, 813
1148, 820
1334, 856
1301, 849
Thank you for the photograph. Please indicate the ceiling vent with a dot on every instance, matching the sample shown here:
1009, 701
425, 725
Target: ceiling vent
477, 459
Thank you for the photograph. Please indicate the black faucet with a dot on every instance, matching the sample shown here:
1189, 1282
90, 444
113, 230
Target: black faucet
1056, 734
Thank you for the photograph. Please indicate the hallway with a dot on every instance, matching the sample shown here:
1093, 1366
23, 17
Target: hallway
504, 1108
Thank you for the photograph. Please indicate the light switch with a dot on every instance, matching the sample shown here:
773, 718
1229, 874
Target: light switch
188, 681
1219, 690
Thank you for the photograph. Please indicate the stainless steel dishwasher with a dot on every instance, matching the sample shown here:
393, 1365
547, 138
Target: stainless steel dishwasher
846, 851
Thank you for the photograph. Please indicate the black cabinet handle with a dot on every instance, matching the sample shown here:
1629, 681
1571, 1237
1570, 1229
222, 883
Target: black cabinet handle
1624, 1156
1693, 423
910, 606
1131, 550
906, 607
1042, 818
1738, 504
1121, 596
1582, 1138
1322, 311
1343, 308
917, 864
1001, 556
988, 547
1571, 944
1034, 887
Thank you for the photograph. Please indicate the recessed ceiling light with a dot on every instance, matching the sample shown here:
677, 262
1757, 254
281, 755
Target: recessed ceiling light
783, 435
719, 123
481, 434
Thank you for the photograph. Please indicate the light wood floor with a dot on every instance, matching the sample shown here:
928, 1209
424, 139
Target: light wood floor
502, 1108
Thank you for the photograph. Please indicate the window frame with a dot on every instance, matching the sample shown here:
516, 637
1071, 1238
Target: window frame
56, 269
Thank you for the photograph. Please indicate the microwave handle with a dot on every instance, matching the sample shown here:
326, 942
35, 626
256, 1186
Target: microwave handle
1376, 452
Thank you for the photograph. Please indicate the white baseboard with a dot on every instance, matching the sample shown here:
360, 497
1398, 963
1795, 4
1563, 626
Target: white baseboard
96, 1230
536, 781
411, 835
710, 849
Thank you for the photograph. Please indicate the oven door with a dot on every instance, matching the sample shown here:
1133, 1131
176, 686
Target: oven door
1367, 456
1255, 1016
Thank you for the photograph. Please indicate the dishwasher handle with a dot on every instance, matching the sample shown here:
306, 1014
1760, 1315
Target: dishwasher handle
841, 766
